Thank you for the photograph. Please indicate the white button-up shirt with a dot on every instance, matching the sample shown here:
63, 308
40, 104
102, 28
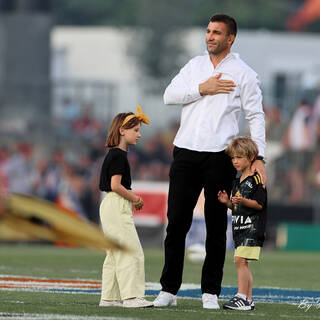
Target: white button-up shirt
210, 122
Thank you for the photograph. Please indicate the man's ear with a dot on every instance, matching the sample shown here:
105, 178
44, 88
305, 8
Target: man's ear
231, 39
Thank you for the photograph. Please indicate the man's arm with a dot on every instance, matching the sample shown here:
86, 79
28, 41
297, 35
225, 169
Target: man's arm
182, 89
251, 101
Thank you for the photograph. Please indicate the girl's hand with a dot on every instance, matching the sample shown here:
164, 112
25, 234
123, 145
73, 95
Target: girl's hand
138, 204
237, 199
223, 196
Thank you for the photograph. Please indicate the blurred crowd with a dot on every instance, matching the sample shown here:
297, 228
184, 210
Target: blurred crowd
68, 174
296, 170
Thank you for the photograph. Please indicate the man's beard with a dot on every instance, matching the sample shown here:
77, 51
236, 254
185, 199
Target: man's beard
217, 49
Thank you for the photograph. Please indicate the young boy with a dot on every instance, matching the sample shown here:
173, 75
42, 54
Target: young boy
248, 202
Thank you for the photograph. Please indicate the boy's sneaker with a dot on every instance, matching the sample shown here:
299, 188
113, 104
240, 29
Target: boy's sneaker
165, 299
137, 303
252, 305
237, 303
114, 303
210, 301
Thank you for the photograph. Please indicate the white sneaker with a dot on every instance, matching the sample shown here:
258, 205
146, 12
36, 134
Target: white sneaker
210, 301
137, 303
114, 303
165, 299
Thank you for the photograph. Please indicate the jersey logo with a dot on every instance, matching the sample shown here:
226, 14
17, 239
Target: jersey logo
236, 219
249, 184
248, 220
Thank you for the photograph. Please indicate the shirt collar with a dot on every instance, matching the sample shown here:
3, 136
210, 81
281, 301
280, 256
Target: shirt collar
229, 55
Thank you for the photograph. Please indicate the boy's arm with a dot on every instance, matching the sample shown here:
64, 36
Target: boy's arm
259, 197
223, 198
251, 204
229, 204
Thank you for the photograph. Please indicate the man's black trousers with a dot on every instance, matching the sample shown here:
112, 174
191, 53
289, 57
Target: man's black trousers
190, 172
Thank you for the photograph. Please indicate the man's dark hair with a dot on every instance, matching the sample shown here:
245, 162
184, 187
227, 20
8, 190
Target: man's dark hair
229, 21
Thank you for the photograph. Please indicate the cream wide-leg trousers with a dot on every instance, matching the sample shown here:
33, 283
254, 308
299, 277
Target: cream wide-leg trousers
123, 272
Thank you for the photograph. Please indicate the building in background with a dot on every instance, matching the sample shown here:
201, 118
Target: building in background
102, 55
25, 27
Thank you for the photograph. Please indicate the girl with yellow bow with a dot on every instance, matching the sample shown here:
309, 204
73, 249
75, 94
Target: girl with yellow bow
123, 277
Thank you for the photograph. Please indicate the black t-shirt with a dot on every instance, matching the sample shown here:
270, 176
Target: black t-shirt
248, 224
115, 162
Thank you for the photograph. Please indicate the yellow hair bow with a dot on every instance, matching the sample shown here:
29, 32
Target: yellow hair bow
142, 117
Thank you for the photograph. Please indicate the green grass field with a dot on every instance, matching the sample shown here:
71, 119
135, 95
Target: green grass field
276, 269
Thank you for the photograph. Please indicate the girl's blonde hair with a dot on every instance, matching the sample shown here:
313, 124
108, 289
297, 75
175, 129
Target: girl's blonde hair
243, 146
113, 138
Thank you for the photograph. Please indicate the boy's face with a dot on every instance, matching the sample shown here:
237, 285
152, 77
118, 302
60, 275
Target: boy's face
240, 162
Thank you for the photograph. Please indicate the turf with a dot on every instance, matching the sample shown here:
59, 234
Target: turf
69, 304
276, 269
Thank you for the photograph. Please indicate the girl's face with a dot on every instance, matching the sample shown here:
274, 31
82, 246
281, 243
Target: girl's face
240, 162
131, 136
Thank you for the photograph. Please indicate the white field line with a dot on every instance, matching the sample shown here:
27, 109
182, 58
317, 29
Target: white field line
45, 316
31, 316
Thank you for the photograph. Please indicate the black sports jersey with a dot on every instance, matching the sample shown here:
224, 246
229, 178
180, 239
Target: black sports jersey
248, 224
115, 162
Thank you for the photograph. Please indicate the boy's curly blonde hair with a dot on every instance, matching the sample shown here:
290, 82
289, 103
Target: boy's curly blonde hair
244, 147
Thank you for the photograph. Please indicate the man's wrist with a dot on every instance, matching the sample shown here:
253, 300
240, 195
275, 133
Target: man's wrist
201, 91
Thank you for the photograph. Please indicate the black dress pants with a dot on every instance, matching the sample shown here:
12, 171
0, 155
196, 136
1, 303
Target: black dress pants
190, 172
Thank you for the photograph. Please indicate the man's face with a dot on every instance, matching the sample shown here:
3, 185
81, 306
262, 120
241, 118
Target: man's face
217, 38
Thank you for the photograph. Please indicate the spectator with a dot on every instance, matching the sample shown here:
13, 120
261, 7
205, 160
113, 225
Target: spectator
19, 169
86, 125
299, 141
275, 126
66, 114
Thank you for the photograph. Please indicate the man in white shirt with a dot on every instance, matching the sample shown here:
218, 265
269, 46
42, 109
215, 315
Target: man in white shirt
213, 89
